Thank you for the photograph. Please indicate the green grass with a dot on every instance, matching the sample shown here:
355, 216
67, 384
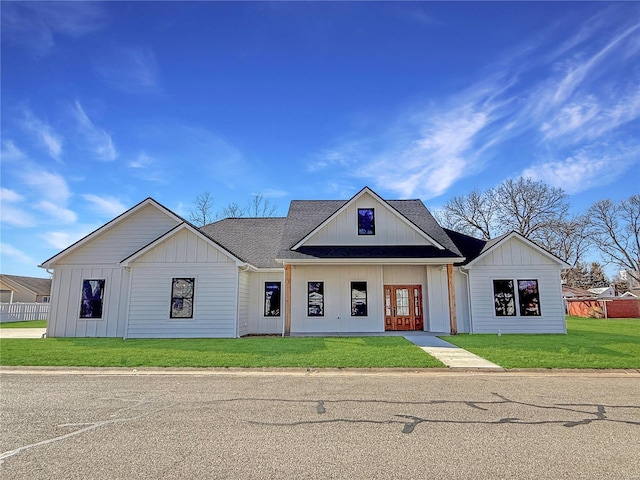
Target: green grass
30, 324
329, 352
589, 343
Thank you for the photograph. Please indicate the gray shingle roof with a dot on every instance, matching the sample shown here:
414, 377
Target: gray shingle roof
305, 215
39, 286
259, 241
253, 240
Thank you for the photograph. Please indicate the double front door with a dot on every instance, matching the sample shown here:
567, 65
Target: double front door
403, 307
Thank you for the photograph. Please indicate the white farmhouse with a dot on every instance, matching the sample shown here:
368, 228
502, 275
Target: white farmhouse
362, 265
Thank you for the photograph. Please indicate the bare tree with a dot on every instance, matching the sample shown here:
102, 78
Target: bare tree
233, 210
471, 214
529, 207
200, 214
261, 207
568, 239
615, 231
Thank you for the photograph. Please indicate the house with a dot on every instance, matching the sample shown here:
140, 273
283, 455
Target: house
603, 292
361, 265
574, 292
17, 289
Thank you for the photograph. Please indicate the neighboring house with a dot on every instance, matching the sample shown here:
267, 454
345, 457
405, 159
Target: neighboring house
628, 295
574, 292
603, 292
362, 265
17, 289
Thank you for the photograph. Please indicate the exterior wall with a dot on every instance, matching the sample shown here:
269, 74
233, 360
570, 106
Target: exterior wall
390, 230
337, 299
462, 301
438, 306
66, 292
337, 296
123, 239
552, 318
514, 252
258, 323
184, 255
19, 294
244, 294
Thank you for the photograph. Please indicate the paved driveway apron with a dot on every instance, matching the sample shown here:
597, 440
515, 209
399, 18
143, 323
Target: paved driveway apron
22, 332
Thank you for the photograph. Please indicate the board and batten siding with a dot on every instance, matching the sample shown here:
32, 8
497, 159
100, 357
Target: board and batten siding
258, 323
515, 260
243, 303
123, 239
389, 228
64, 316
337, 299
184, 255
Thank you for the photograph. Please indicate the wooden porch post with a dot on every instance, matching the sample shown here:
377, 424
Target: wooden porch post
453, 319
287, 300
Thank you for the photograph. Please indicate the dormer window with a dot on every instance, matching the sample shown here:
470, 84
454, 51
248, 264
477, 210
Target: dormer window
366, 221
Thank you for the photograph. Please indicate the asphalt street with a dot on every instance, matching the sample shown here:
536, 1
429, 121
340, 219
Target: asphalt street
125, 424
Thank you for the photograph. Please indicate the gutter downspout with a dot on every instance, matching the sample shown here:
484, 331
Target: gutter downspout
466, 274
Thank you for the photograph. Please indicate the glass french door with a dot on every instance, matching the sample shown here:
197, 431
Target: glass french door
403, 307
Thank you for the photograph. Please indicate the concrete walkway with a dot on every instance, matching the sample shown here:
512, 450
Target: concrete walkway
450, 355
22, 332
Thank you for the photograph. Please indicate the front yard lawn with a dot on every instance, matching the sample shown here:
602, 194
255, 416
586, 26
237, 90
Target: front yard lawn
317, 352
589, 343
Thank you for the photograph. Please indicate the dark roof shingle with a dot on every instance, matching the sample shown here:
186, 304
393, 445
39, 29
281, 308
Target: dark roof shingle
253, 240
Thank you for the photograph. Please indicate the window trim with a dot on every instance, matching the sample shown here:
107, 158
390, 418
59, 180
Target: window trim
373, 221
516, 296
366, 295
102, 295
537, 295
264, 309
309, 314
172, 298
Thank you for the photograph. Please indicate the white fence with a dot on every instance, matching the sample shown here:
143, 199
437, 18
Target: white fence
20, 312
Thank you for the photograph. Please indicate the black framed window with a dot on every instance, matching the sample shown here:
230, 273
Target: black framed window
92, 298
358, 299
529, 298
315, 299
182, 291
272, 299
366, 221
504, 298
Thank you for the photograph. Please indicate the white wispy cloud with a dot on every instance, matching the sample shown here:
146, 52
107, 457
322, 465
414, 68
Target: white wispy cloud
587, 168
147, 168
12, 214
43, 133
132, 69
36, 25
57, 212
16, 255
61, 239
53, 195
108, 206
97, 140
50, 186
7, 195
272, 193
574, 107
10, 152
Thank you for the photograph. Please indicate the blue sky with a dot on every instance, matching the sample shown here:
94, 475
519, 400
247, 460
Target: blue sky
105, 104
